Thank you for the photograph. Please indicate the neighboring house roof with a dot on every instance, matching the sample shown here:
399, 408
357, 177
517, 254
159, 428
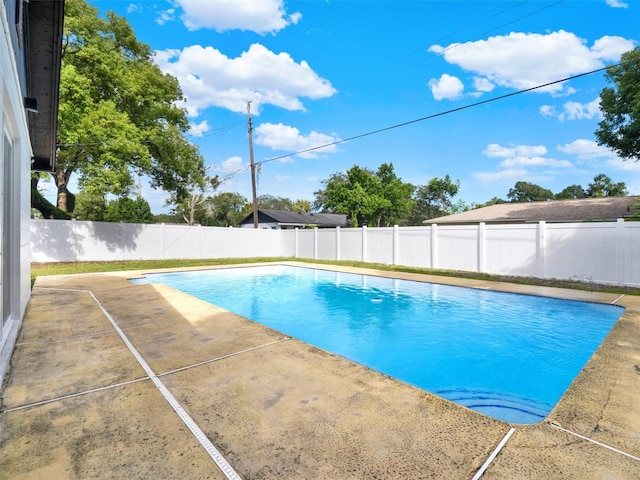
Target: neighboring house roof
579, 210
44, 33
301, 219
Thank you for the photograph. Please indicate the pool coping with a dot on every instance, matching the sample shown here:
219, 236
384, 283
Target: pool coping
595, 425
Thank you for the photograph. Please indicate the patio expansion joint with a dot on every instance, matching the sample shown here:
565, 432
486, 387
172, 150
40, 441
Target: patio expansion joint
211, 450
223, 357
493, 455
604, 445
72, 395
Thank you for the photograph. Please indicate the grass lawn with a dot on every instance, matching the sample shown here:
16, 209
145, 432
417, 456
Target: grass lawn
70, 268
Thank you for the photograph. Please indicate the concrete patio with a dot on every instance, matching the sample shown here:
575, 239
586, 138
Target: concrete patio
113, 380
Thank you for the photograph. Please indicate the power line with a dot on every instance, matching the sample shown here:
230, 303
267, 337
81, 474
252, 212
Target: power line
435, 115
501, 26
214, 131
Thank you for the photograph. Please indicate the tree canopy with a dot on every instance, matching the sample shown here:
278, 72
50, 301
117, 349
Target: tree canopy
118, 115
620, 128
603, 186
371, 198
529, 192
435, 199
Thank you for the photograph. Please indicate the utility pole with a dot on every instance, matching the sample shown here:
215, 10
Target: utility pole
253, 169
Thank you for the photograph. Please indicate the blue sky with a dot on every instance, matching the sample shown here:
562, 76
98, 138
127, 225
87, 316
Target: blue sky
321, 71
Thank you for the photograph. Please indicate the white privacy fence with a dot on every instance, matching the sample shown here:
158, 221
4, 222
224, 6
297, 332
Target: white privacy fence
600, 252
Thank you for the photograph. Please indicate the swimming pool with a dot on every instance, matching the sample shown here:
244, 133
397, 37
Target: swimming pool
506, 355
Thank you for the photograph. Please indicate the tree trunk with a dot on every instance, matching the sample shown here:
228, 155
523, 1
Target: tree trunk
45, 207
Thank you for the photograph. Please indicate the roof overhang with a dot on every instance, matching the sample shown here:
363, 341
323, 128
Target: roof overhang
44, 30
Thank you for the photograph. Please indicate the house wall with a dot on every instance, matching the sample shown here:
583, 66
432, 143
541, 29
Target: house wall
15, 201
604, 252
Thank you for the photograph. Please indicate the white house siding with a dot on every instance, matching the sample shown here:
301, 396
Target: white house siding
15, 200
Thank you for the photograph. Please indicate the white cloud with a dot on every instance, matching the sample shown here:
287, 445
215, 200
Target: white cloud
231, 165
526, 60
616, 4
197, 129
587, 150
209, 78
133, 8
286, 138
501, 176
579, 111
446, 87
548, 111
165, 16
573, 111
496, 150
534, 162
264, 16
482, 84
625, 165
520, 162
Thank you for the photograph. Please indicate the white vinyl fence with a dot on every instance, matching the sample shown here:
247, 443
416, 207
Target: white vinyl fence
606, 252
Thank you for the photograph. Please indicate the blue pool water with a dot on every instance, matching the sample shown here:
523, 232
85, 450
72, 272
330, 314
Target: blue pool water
506, 355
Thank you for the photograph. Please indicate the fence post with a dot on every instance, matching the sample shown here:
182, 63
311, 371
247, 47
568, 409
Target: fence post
364, 243
396, 245
295, 242
620, 251
434, 245
338, 243
315, 243
540, 249
481, 247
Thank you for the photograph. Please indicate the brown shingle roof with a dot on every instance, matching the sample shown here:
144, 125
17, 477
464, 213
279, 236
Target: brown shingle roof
580, 210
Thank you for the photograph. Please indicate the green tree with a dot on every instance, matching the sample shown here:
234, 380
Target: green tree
529, 192
493, 201
192, 205
226, 209
118, 115
620, 128
435, 199
602, 186
90, 206
366, 197
270, 202
129, 210
397, 195
303, 206
571, 192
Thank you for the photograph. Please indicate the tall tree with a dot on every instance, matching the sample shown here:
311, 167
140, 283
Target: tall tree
434, 199
226, 209
529, 192
366, 197
571, 192
118, 115
603, 186
396, 193
620, 128
271, 202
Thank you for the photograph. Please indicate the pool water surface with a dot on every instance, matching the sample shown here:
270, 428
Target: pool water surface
506, 355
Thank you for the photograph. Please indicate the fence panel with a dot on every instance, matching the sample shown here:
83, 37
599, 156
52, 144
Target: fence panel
55, 241
414, 247
379, 245
306, 243
458, 247
145, 243
511, 249
351, 244
327, 243
600, 252
581, 251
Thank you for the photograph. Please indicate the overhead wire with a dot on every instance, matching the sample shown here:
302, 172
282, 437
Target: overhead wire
435, 115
